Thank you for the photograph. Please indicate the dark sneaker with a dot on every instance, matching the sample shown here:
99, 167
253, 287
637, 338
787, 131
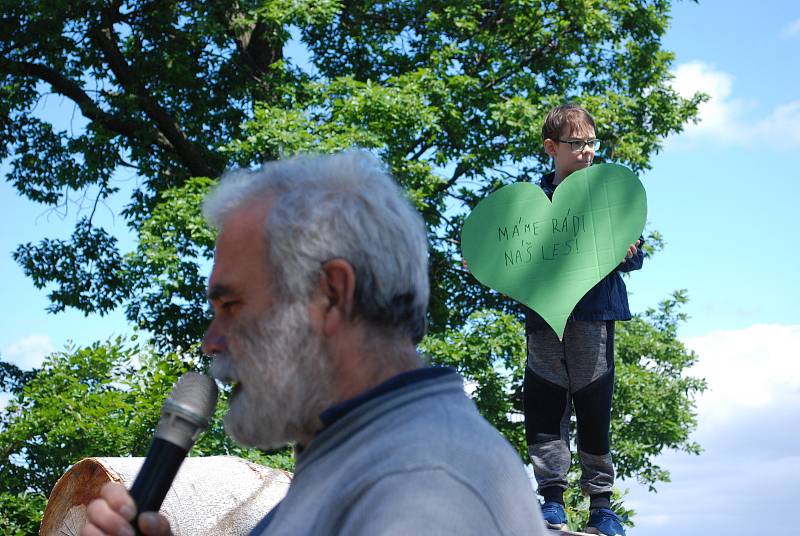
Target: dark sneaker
554, 515
604, 522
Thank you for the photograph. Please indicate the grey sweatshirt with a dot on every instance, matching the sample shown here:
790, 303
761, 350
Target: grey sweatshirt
418, 459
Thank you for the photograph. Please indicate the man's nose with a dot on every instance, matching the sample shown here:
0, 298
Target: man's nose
213, 341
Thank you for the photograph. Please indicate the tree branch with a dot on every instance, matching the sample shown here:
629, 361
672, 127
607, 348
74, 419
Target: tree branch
257, 49
70, 89
422, 147
189, 154
254, 44
460, 170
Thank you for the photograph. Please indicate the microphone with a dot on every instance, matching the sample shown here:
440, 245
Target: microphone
184, 416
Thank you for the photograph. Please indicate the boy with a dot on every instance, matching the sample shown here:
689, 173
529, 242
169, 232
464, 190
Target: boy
579, 369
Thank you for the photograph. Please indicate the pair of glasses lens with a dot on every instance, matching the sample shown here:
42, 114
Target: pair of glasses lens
577, 146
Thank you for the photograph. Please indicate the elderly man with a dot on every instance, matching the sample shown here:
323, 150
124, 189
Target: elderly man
319, 290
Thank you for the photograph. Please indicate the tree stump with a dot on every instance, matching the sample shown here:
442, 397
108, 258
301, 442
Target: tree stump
211, 495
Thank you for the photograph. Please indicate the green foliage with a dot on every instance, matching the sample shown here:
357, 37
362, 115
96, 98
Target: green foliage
653, 396
12, 378
71, 409
101, 400
21, 514
451, 94
489, 351
653, 405
167, 271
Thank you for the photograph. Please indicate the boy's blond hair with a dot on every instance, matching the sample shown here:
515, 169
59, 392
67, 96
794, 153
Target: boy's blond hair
571, 115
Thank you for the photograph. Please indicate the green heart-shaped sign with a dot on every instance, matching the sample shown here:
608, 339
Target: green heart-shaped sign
548, 255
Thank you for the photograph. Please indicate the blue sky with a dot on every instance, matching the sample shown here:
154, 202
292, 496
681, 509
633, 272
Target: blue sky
724, 195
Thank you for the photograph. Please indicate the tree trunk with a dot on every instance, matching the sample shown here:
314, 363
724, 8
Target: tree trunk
213, 495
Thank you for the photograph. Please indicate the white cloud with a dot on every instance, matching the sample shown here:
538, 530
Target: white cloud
756, 368
791, 29
723, 118
747, 426
783, 122
719, 116
28, 352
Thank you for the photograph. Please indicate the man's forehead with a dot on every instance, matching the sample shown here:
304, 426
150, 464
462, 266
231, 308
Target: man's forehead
250, 212
240, 249
244, 224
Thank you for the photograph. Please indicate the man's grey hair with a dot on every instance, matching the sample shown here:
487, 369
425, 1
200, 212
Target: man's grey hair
343, 206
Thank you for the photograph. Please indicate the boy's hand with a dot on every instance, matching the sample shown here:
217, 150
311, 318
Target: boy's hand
112, 512
632, 250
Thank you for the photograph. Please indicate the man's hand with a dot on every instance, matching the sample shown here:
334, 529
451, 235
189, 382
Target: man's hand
632, 250
111, 513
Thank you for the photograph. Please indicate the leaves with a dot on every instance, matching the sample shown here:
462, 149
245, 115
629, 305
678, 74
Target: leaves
100, 400
87, 269
69, 410
167, 272
451, 94
489, 351
20, 515
654, 397
653, 405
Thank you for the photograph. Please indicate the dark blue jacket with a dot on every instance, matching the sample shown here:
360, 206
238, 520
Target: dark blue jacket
607, 300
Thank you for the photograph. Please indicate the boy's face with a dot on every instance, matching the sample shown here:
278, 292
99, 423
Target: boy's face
567, 161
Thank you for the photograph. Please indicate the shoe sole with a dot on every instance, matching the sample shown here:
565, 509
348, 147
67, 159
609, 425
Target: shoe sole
595, 532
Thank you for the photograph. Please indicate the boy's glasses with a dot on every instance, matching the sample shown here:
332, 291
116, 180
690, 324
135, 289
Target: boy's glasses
577, 146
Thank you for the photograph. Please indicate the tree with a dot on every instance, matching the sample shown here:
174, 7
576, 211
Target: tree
160, 86
653, 397
450, 94
101, 400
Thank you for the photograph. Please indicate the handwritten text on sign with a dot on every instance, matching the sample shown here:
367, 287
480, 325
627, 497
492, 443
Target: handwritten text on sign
568, 228
548, 255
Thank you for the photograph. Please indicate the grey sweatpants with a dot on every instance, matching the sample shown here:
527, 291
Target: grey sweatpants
578, 371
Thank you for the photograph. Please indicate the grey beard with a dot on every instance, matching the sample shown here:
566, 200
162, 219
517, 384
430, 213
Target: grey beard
285, 378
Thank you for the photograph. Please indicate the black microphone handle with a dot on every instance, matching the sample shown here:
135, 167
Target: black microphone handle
155, 477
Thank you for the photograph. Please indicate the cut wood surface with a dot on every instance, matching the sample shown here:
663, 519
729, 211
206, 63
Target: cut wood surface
210, 495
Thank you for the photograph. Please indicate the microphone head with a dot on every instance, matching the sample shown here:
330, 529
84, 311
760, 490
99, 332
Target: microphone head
188, 409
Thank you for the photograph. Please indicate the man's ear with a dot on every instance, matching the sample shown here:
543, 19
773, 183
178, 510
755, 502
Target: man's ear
337, 288
550, 147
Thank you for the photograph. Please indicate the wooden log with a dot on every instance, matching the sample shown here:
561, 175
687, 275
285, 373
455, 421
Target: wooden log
210, 495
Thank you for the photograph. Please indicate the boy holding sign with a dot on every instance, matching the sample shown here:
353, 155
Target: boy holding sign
578, 369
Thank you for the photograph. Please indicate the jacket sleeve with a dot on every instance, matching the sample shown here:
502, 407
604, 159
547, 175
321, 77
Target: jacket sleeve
635, 262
